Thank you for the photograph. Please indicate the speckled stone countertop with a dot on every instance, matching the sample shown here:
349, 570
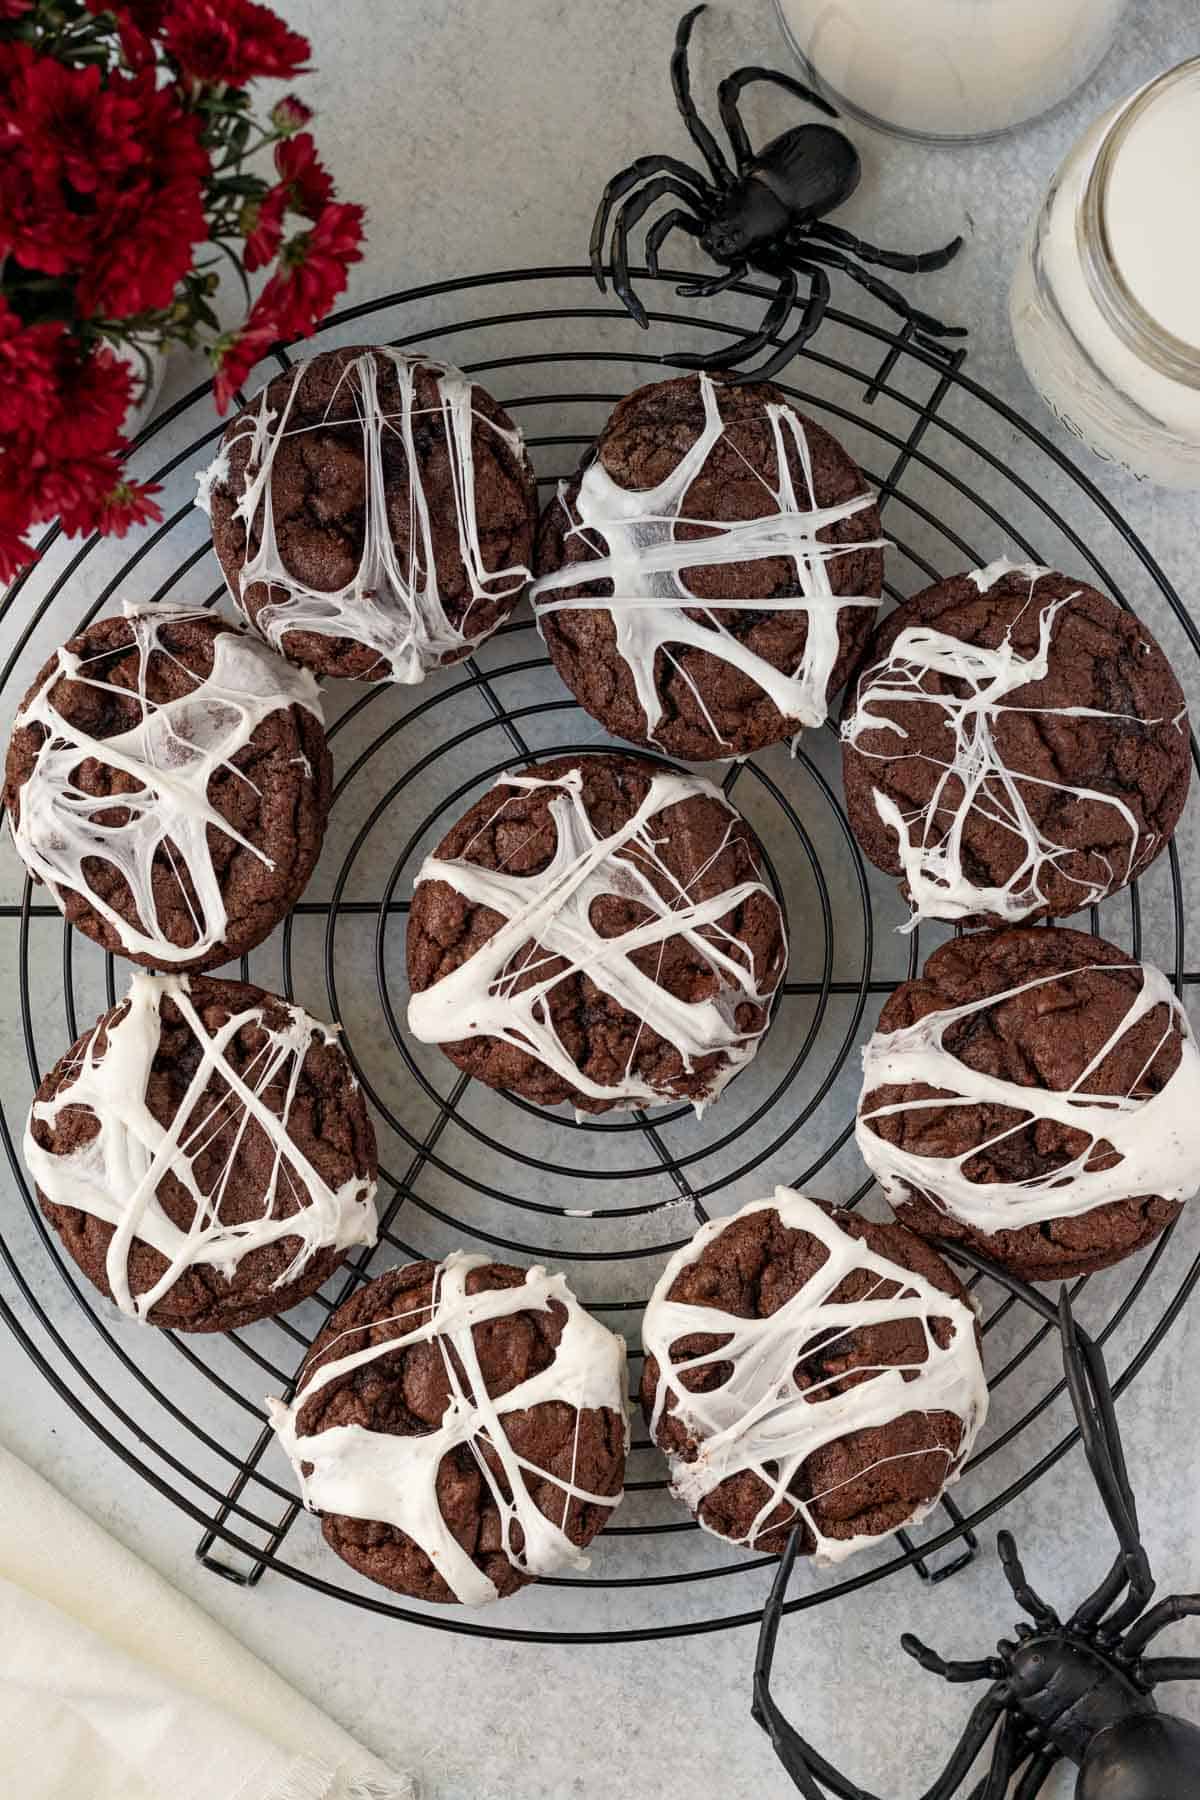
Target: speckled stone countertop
479, 136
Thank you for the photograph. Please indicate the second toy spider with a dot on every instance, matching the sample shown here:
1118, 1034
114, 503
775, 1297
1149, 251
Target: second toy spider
767, 214
1080, 1689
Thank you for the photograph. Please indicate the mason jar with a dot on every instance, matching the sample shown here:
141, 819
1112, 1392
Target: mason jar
1105, 302
949, 69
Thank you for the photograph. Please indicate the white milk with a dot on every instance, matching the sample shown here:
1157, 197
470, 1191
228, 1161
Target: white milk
1105, 303
951, 68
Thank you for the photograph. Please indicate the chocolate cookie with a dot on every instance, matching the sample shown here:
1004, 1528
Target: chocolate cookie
1034, 1095
461, 1428
168, 779
204, 1153
709, 578
1016, 747
596, 929
374, 513
805, 1364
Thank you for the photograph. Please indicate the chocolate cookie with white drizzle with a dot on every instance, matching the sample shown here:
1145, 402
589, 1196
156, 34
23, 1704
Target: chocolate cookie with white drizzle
1016, 747
596, 929
461, 1428
168, 780
804, 1365
1034, 1095
709, 578
204, 1153
373, 511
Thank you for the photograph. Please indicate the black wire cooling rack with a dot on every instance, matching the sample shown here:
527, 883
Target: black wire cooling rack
962, 479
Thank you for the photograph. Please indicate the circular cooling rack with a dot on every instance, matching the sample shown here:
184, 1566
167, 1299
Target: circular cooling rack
962, 479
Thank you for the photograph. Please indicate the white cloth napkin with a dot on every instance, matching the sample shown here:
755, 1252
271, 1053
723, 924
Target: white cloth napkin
113, 1686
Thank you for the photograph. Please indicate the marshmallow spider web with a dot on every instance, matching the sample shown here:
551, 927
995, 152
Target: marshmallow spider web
974, 783
645, 562
116, 1174
391, 603
548, 916
758, 1421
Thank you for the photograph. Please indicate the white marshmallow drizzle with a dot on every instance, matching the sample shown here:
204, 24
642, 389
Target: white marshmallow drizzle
1156, 1139
974, 782
391, 605
365, 1474
758, 1420
646, 562
172, 753
115, 1176
553, 911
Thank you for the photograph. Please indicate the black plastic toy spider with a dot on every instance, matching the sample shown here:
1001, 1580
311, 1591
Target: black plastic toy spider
1080, 1690
767, 215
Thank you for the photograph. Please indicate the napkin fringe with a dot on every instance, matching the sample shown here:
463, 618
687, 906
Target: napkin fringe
321, 1781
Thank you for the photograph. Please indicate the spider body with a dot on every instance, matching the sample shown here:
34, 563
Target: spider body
1067, 1690
1080, 1691
800, 176
766, 212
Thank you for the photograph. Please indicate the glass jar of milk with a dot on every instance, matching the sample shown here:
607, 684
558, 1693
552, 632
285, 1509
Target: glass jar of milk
1105, 303
950, 68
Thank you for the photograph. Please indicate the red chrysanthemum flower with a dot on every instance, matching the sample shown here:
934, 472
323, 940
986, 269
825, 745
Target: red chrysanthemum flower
262, 222
78, 130
95, 394
71, 489
147, 232
236, 354
290, 114
15, 553
127, 504
233, 41
30, 363
308, 186
313, 271
137, 23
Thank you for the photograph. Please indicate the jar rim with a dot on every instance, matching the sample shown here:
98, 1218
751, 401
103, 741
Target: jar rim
1140, 330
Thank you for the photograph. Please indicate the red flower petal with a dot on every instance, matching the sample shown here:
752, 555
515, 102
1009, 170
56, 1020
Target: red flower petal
234, 41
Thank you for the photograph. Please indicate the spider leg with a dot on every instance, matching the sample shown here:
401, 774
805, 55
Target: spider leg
989, 1668
660, 231
1091, 1397
881, 289
1168, 1612
1035, 1775
731, 118
681, 83
704, 290
1014, 1571
626, 218
975, 1735
1006, 1759
1168, 1668
801, 1761
776, 313
919, 262
620, 185
814, 312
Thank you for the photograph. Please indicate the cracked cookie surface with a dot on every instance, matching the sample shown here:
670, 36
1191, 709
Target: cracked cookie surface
710, 707
1077, 990
230, 1155
566, 1452
1019, 799
273, 791
704, 851
873, 1478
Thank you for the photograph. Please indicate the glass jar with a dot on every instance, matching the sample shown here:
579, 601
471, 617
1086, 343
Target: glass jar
949, 69
1105, 302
